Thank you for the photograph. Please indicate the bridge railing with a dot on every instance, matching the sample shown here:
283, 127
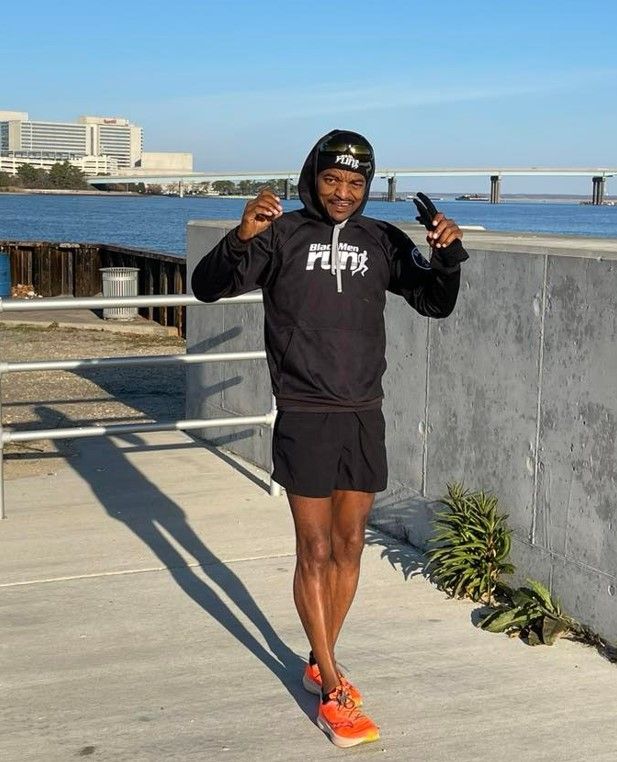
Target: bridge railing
10, 435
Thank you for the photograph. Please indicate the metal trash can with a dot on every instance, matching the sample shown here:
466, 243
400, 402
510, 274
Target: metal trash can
119, 281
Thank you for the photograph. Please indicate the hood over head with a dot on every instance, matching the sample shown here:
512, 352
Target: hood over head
317, 161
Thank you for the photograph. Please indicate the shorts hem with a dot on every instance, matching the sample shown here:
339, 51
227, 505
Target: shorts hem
301, 491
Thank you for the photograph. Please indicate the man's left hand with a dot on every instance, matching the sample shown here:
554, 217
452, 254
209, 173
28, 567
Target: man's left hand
444, 232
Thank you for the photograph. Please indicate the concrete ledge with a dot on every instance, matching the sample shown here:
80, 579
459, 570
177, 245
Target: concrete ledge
490, 240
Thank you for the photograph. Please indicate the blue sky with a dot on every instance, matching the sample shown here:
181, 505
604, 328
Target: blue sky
249, 85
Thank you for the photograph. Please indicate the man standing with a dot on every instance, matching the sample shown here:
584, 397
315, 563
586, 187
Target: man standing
324, 271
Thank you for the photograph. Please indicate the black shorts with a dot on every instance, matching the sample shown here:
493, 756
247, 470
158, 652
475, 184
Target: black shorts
316, 453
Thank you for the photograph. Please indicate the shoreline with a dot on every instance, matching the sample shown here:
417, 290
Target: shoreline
530, 198
64, 192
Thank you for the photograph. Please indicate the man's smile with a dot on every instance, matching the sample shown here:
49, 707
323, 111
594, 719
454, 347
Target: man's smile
331, 183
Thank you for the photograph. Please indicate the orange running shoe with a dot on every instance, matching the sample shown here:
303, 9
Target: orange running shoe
343, 722
311, 680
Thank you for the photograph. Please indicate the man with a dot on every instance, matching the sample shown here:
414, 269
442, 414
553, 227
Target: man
324, 271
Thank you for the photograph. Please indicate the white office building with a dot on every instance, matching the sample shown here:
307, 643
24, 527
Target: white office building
114, 136
96, 144
92, 136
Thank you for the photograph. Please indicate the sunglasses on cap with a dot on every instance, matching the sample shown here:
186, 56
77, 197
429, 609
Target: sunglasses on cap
334, 146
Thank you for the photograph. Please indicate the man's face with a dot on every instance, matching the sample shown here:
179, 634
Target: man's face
341, 192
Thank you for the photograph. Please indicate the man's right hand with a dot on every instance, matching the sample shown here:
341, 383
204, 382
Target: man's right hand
259, 214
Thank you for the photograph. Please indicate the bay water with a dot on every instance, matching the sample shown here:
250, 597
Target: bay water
159, 223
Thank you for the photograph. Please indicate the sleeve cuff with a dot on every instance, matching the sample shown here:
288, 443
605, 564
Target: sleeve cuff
235, 242
450, 258
236, 249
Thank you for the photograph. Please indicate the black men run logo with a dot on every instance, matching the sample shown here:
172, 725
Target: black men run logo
349, 256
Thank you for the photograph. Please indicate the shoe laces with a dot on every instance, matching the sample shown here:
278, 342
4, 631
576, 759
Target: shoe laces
346, 703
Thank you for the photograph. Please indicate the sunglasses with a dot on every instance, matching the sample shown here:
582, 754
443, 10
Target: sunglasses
334, 146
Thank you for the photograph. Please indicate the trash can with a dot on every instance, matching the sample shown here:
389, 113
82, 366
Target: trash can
119, 281
5, 274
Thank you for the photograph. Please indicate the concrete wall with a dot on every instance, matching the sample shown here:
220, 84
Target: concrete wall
224, 389
515, 393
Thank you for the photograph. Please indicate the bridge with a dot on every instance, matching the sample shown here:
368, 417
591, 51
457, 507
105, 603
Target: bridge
598, 177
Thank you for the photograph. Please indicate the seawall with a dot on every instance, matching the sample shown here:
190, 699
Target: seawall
515, 393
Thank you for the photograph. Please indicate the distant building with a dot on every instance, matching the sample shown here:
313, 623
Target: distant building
166, 161
10, 161
8, 128
96, 144
91, 136
114, 136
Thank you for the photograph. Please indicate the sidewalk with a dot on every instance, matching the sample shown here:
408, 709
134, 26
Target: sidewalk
146, 614
85, 319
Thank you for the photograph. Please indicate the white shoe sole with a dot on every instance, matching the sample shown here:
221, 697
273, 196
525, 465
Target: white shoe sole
340, 741
310, 686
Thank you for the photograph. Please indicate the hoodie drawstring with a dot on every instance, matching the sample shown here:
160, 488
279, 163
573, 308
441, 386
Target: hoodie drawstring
335, 257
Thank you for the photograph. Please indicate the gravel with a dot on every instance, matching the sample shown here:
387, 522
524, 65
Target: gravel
59, 399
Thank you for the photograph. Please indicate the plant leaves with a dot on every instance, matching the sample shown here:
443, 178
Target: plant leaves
471, 545
502, 620
521, 597
542, 594
533, 638
553, 628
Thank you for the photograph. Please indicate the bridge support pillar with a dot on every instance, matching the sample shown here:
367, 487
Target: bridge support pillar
597, 193
287, 189
180, 189
495, 189
392, 188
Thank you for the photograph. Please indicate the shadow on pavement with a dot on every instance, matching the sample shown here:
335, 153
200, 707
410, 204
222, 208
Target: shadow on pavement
404, 558
150, 514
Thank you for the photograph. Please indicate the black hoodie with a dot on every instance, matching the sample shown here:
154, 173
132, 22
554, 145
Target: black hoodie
326, 349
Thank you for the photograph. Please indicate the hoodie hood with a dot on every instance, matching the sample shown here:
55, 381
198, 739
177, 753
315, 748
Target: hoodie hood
307, 185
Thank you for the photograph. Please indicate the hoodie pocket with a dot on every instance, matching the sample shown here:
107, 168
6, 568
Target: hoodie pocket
333, 364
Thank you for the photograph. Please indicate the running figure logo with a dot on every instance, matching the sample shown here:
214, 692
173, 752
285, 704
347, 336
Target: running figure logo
361, 266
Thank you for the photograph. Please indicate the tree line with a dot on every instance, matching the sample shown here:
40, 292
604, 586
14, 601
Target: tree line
61, 175
65, 176
220, 187
250, 187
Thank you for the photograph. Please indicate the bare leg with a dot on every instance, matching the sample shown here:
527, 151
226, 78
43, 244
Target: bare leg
313, 522
329, 544
349, 516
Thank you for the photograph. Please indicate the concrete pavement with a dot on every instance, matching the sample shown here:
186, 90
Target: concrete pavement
85, 320
146, 614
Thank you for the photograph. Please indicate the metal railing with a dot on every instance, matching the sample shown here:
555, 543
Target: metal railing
96, 430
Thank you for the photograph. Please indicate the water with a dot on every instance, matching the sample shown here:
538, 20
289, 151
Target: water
159, 222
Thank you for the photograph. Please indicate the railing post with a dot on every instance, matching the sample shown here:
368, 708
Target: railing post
275, 489
2, 511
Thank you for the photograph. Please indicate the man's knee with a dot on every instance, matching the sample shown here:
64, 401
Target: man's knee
314, 553
347, 547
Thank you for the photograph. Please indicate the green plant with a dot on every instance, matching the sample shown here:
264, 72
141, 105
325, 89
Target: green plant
533, 614
469, 551
469, 554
